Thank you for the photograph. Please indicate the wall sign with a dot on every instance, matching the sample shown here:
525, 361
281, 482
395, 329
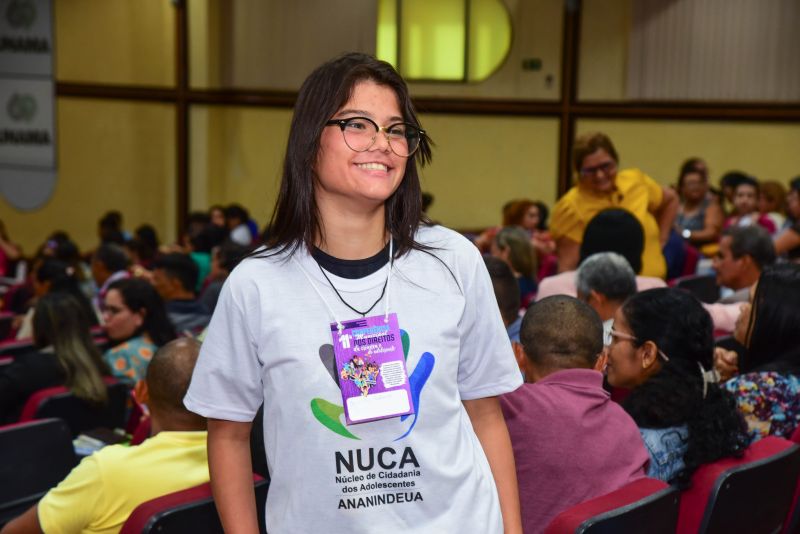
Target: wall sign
27, 103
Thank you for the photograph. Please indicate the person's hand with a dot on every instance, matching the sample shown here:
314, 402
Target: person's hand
726, 362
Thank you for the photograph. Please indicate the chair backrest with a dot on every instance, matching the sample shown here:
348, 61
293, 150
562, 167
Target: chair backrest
646, 501
189, 510
748, 494
704, 287
792, 525
59, 402
36, 456
17, 347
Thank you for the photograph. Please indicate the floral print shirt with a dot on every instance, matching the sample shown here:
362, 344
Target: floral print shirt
128, 360
770, 403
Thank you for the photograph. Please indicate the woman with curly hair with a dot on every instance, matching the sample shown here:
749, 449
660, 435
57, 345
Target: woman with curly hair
662, 347
768, 390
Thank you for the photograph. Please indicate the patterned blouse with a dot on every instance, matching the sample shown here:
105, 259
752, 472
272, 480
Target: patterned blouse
128, 360
770, 402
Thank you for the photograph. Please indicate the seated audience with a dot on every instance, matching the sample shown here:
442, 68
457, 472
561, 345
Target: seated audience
787, 243
531, 216
109, 229
61, 247
604, 281
109, 264
571, 442
54, 276
662, 348
102, 491
237, 218
745, 207
512, 245
143, 248
223, 260
772, 202
216, 214
611, 230
768, 389
175, 279
700, 217
601, 186
65, 355
136, 321
506, 292
743, 254
728, 184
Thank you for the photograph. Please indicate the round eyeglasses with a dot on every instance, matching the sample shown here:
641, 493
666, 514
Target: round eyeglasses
360, 134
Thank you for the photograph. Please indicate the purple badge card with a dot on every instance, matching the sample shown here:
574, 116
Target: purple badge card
372, 369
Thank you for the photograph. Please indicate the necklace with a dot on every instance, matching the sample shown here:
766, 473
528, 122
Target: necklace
364, 313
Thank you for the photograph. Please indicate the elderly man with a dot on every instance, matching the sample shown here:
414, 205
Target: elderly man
604, 281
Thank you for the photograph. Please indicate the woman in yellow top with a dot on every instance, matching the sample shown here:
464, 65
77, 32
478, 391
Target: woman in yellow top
601, 186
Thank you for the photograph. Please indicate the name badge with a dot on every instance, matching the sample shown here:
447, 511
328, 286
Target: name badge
371, 369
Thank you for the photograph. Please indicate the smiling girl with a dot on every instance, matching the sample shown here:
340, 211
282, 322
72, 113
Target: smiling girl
349, 245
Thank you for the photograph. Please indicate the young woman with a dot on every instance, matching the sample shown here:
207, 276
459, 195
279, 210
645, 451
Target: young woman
137, 322
768, 390
66, 355
348, 244
662, 348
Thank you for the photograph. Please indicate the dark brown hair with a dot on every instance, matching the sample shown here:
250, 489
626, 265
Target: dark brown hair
295, 219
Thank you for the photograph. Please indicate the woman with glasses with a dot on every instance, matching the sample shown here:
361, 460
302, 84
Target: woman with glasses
366, 334
601, 185
661, 349
136, 321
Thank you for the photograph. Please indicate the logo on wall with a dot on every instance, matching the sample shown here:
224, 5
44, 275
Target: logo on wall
21, 107
21, 14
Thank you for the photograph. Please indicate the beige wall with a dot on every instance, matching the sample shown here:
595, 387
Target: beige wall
115, 41
768, 151
481, 162
111, 155
603, 54
237, 156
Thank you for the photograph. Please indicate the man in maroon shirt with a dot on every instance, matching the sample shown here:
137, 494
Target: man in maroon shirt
571, 442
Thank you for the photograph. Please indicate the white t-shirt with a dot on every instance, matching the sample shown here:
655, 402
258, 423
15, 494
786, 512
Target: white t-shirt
269, 341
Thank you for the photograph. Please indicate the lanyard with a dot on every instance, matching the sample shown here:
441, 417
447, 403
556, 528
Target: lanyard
387, 288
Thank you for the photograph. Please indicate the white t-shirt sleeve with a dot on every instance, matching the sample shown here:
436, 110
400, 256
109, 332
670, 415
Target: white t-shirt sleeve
226, 383
487, 366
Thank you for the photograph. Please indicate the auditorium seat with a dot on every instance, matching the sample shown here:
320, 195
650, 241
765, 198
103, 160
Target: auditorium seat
748, 494
646, 501
36, 456
189, 510
704, 287
80, 416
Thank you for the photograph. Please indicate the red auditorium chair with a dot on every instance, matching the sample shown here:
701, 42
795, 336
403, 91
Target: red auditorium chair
793, 519
189, 510
36, 456
60, 402
748, 494
646, 501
